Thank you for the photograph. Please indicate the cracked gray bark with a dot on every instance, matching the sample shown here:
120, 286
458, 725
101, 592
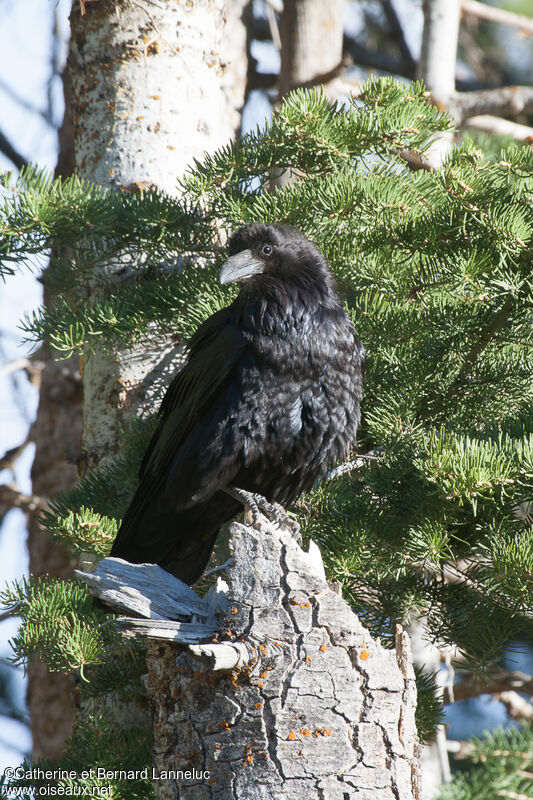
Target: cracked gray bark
320, 710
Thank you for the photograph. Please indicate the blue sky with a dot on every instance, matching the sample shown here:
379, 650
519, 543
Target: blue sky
24, 68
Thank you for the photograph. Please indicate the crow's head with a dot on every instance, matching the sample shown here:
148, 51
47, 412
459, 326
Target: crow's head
259, 251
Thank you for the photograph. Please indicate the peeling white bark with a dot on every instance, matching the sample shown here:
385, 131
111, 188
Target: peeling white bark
145, 590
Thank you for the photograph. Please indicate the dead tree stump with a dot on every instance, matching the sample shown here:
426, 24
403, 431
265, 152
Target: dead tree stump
312, 708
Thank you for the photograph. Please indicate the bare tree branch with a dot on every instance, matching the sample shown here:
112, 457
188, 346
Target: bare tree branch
9, 458
513, 795
492, 14
508, 101
377, 60
396, 31
502, 127
23, 103
12, 497
352, 466
273, 25
486, 337
9, 151
32, 368
495, 683
262, 81
517, 707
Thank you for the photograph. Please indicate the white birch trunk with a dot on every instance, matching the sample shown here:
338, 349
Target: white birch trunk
311, 35
436, 66
149, 88
154, 87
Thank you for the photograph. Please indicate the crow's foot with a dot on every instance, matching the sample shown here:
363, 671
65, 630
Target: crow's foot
254, 504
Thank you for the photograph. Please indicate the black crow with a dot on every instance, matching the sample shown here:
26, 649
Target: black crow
267, 400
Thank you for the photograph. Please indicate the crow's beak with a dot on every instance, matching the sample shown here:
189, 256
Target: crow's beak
240, 267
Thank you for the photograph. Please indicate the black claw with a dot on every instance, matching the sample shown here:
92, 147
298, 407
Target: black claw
273, 511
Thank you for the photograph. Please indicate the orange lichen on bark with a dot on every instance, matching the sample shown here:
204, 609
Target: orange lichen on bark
248, 755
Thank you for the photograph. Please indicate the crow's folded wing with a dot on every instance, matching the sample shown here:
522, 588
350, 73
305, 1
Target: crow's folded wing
214, 351
172, 468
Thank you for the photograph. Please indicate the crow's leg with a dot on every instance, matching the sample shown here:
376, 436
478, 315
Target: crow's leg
248, 499
274, 512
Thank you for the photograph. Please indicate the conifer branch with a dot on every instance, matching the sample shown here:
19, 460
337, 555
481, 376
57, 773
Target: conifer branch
486, 337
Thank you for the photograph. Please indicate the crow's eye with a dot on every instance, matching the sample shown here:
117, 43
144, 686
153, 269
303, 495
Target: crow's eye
267, 250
